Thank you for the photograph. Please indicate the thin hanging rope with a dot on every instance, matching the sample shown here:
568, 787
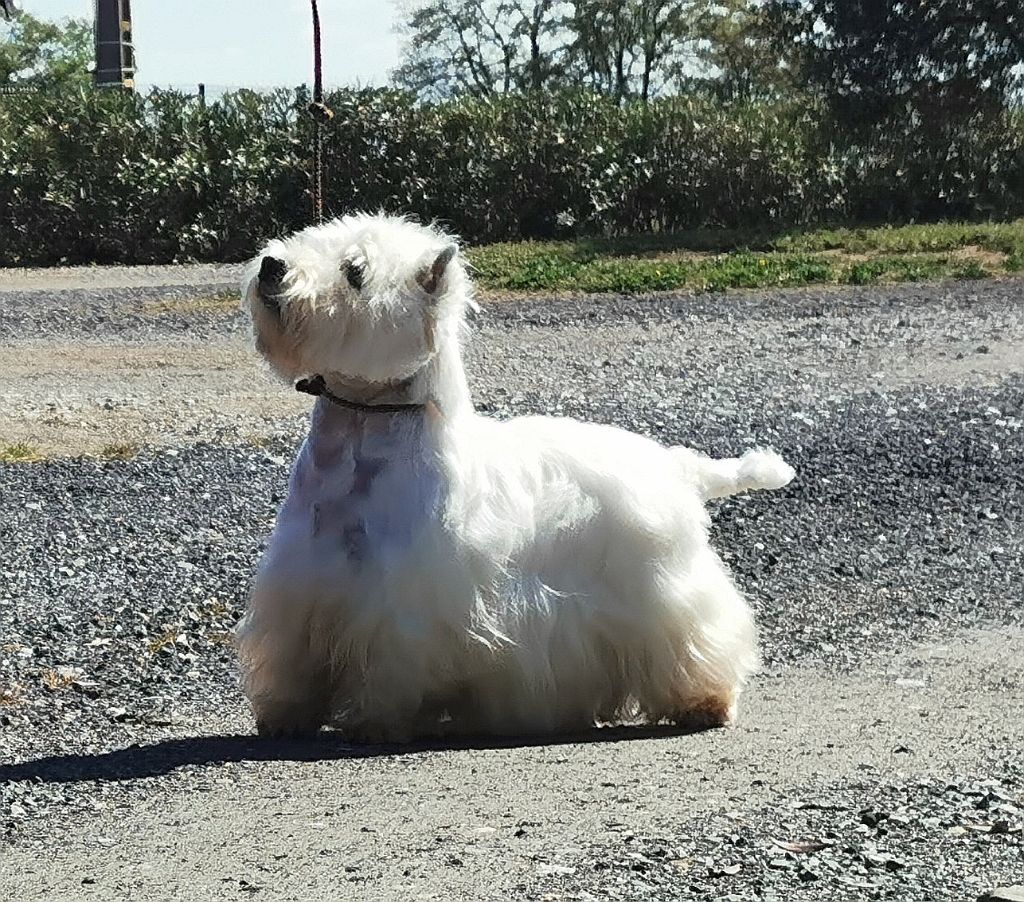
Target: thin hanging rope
318, 69
321, 114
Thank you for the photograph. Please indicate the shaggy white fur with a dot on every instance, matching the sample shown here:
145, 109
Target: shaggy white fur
433, 570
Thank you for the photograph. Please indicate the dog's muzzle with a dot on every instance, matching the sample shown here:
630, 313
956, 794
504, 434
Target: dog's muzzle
272, 272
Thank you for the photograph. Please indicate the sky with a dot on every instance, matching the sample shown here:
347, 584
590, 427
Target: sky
250, 43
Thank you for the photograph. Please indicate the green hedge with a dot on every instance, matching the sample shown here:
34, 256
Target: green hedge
104, 177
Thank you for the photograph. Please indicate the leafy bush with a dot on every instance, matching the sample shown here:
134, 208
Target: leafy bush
109, 177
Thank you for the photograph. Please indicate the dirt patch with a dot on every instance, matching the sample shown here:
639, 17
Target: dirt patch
60, 278
989, 259
107, 400
225, 302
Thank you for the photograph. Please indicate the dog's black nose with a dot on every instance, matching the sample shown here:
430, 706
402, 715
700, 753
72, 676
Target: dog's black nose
272, 272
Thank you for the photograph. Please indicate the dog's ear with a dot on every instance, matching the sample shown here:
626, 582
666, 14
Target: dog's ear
432, 275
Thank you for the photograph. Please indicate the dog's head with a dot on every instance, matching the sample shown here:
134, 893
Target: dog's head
368, 298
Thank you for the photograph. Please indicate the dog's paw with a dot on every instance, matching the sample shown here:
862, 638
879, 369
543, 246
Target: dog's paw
764, 469
707, 714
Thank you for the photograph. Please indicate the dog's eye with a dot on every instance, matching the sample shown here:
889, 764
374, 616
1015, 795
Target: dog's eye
354, 273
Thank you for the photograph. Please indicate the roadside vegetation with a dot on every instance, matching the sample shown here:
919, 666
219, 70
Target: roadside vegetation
18, 453
719, 260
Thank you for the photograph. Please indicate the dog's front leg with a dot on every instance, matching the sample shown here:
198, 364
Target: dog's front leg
287, 668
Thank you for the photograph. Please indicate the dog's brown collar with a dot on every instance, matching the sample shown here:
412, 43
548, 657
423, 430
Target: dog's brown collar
315, 385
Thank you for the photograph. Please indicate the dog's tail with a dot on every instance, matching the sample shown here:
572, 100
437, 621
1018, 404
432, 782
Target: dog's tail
757, 469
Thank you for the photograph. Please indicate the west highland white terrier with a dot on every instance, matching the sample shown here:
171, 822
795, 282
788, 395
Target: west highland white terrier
436, 571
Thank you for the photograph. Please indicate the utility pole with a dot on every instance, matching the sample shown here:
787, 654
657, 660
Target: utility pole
115, 55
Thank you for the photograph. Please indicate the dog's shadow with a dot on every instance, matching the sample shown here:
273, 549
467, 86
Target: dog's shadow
158, 758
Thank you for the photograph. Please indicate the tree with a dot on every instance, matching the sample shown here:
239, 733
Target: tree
624, 48
737, 57
876, 59
627, 48
482, 47
45, 55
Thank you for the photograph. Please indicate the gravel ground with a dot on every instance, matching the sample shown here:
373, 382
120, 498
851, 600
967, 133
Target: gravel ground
856, 840
901, 409
168, 314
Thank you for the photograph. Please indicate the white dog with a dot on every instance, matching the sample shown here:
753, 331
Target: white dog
433, 570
